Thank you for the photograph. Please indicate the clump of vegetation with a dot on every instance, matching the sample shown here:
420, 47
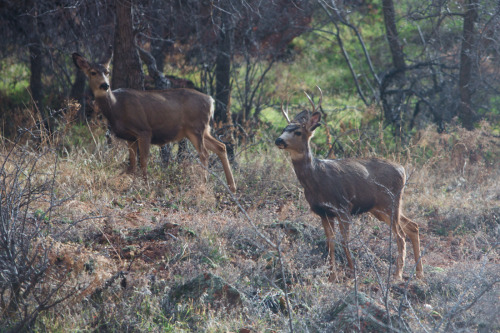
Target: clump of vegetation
87, 247
39, 269
108, 250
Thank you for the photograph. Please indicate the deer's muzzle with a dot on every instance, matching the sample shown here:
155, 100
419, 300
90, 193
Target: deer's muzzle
104, 86
280, 143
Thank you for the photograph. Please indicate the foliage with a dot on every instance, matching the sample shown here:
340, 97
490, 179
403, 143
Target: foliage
141, 240
15, 80
36, 272
152, 237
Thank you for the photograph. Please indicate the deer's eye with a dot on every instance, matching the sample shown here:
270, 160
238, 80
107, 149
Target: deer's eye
297, 133
93, 73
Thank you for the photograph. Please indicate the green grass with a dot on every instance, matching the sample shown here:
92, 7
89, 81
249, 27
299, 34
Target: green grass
15, 77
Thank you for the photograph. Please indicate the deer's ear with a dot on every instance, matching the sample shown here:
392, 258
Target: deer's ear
107, 58
106, 64
313, 122
81, 62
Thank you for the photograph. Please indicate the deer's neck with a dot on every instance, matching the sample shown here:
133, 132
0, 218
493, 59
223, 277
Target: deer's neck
303, 164
106, 104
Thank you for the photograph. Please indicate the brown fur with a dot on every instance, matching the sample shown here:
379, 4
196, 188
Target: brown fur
345, 187
156, 117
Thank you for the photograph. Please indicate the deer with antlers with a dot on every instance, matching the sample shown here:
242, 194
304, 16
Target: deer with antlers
156, 117
341, 188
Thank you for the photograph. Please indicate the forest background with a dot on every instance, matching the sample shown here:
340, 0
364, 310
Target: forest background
84, 247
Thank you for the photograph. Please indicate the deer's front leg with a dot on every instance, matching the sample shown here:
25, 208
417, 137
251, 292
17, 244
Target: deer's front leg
400, 241
132, 153
344, 231
329, 227
144, 145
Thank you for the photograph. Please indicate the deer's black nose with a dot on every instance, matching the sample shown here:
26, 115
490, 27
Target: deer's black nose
104, 86
280, 143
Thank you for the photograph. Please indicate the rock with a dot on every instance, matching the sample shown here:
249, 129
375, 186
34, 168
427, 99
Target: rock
290, 228
207, 289
275, 302
372, 315
245, 330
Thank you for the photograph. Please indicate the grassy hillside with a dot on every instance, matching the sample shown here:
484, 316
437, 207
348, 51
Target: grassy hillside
122, 253
85, 247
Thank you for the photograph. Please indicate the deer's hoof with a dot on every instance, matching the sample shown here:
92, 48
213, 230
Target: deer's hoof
334, 278
398, 277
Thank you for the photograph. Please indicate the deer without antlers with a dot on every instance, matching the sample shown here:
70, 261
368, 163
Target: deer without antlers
156, 117
344, 187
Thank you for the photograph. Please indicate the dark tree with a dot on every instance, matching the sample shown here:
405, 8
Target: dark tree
223, 69
210, 35
466, 111
391, 31
36, 61
41, 35
434, 80
127, 72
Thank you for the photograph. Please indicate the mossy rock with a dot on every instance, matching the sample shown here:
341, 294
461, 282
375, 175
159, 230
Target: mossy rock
372, 315
207, 289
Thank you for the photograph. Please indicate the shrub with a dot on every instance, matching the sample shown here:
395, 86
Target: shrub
36, 271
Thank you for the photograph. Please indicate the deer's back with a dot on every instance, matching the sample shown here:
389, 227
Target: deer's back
167, 114
352, 186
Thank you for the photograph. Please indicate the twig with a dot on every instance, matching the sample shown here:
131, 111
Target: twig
457, 309
280, 257
261, 235
237, 202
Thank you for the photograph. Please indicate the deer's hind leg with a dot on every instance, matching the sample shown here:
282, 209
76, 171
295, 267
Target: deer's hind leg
220, 149
410, 228
132, 156
392, 218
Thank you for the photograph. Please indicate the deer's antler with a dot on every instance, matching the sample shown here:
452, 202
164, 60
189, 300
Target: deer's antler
285, 112
314, 107
320, 97
311, 101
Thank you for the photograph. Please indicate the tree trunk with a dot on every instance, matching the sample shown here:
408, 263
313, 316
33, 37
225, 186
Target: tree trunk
466, 113
398, 59
222, 114
223, 72
160, 81
127, 71
36, 63
36, 66
392, 109
159, 46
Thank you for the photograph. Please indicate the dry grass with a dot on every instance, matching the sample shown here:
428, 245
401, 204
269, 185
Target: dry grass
144, 238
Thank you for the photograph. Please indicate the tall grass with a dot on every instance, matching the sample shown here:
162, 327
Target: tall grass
127, 243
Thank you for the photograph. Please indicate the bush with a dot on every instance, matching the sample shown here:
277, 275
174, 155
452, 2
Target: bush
36, 271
